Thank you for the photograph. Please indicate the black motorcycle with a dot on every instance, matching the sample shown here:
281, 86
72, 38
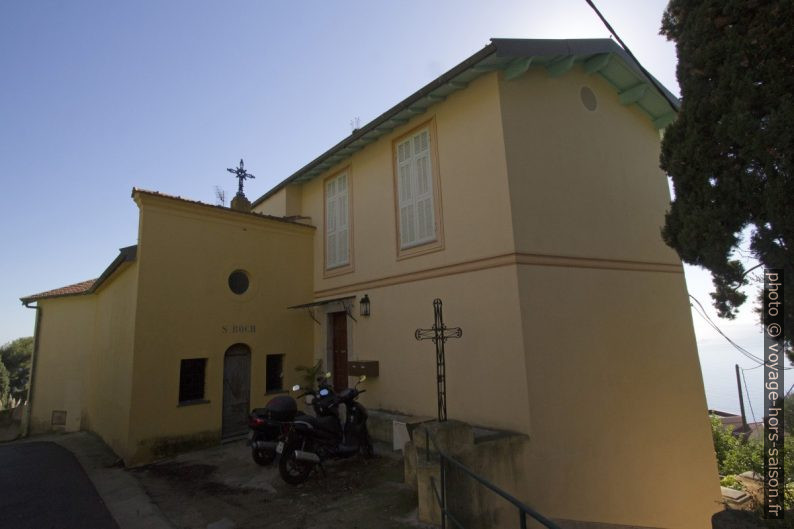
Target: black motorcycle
268, 425
312, 440
271, 424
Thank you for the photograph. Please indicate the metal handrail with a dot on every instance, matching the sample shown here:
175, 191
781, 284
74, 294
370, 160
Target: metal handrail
441, 499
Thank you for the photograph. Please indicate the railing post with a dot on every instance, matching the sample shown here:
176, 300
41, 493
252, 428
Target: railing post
523, 519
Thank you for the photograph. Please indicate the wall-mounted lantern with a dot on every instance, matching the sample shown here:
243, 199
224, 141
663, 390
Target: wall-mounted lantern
364, 307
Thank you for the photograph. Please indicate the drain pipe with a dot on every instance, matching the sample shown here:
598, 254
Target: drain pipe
36, 332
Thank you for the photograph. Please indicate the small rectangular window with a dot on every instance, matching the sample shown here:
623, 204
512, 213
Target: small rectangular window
274, 374
191, 379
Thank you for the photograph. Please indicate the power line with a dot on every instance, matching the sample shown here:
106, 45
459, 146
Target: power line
702, 313
647, 74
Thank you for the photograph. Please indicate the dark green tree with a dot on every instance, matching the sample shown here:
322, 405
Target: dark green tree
16, 356
5, 386
730, 153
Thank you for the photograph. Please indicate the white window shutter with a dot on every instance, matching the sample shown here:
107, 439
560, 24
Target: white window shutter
337, 222
415, 183
343, 230
405, 184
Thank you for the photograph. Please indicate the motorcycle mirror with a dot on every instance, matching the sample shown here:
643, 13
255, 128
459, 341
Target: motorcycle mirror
296, 387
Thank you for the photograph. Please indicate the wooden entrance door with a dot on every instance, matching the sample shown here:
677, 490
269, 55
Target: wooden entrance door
339, 349
236, 390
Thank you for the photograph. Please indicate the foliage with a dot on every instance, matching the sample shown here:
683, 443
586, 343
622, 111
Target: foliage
731, 482
310, 374
16, 356
744, 456
5, 386
724, 441
735, 456
730, 152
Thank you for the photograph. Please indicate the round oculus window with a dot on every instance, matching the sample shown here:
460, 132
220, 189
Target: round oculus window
588, 98
238, 282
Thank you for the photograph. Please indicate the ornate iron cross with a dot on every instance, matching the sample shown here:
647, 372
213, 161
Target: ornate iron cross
439, 333
241, 175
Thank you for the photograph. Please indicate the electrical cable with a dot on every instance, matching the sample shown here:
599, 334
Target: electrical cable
645, 72
702, 313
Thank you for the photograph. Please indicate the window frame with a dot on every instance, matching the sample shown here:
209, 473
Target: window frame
437, 243
280, 389
196, 400
330, 270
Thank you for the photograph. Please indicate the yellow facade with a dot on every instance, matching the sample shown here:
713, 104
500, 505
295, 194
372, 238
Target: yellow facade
186, 310
64, 350
546, 251
576, 323
111, 358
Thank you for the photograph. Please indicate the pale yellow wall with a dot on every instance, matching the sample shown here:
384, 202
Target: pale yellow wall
293, 200
185, 255
63, 357
110, 371
275, 205
85, 358
285, 202
619, 424
472, 176
486, 382
582, 183
477, 235
619, 429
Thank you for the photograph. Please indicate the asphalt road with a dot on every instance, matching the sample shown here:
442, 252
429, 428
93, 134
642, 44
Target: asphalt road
43, 486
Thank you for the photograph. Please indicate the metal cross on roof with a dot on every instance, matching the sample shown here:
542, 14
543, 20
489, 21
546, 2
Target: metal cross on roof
439, 333
241, 175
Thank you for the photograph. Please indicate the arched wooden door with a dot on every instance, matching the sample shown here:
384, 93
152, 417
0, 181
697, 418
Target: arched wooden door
236, 390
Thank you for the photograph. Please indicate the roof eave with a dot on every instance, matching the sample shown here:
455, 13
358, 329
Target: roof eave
514, 56
383, 118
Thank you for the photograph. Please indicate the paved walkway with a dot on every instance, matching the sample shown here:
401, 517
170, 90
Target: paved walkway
214, 488
121, 494
43, 485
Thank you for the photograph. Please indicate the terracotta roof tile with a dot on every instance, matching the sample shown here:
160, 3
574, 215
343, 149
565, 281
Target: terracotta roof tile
69, 290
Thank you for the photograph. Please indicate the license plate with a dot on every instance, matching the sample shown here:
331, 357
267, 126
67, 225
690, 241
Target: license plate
280, 447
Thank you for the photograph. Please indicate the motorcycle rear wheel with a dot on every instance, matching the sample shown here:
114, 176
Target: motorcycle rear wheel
263, 457
292, 470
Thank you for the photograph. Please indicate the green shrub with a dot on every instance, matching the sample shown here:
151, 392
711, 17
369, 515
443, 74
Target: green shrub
735, 456
724, 441
731, 482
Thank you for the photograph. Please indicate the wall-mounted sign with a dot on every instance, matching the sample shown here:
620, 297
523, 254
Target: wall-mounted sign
238, 329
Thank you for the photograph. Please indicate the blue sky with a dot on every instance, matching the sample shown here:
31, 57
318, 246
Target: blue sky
97, 97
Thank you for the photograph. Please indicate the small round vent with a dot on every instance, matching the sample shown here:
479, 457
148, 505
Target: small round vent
238, 282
